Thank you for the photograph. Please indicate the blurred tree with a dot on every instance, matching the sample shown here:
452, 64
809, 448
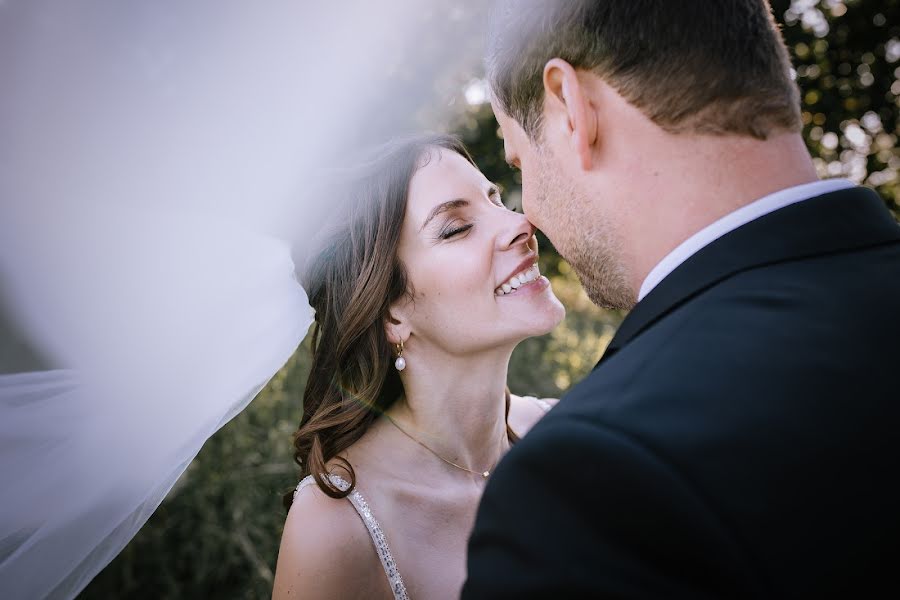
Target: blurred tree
217, 533
846, 55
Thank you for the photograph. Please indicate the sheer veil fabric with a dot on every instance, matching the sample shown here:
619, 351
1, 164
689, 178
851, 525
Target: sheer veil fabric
152, 161
161, 347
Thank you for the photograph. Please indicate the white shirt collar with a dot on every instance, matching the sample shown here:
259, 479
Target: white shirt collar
732, 221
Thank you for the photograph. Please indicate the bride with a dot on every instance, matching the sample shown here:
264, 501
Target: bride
421, 291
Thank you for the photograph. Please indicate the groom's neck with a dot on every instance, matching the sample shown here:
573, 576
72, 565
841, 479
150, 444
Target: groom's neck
697, 180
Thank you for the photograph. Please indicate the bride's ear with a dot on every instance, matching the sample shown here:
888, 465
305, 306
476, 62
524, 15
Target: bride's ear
396, 325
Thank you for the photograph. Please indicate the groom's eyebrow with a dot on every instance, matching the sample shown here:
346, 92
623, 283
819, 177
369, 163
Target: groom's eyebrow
442, 208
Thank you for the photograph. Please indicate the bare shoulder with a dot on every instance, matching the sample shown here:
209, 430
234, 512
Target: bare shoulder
325, 551
525, 411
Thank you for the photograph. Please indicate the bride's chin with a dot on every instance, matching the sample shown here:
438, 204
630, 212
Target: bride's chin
546, 323
553, 314
540, 322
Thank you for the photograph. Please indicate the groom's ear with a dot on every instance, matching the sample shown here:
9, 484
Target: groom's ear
569, 110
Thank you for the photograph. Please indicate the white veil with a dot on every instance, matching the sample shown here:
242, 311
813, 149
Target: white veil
151, 160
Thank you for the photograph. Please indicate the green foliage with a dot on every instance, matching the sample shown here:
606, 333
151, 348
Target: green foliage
217, 533
847, 58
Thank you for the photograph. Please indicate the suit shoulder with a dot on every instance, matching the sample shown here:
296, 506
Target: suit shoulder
605, 488
561, 441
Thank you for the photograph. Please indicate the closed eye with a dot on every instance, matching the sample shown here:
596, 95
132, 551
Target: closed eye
453, 231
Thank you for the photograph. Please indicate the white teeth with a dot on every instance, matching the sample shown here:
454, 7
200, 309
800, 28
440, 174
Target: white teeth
518, 280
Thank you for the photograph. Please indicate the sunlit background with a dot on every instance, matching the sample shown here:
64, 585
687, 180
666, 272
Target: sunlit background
217, 533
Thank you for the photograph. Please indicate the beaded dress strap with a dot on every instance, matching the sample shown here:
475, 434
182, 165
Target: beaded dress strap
375, 532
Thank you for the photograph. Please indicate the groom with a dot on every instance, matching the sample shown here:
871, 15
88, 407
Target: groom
740, 438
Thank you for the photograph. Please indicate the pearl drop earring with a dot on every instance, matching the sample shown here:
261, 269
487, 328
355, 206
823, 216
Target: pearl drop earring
400, 363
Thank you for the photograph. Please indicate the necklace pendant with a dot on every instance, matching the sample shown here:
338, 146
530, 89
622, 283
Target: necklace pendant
486, 474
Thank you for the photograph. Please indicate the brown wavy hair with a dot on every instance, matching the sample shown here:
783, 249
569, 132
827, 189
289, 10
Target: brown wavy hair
352, 279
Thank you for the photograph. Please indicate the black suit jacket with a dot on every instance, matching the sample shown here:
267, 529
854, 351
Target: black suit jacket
740, 438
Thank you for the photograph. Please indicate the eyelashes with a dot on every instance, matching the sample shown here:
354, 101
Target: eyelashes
451, 231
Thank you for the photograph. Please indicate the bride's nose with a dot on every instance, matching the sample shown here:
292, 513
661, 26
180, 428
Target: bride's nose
517, 231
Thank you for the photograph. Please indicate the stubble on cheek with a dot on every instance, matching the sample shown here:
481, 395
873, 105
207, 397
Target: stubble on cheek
601, 273
593, 248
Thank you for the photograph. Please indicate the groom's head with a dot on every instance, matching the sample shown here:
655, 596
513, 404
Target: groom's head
599, 100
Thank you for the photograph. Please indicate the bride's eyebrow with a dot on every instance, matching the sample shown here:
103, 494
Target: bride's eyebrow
442, 208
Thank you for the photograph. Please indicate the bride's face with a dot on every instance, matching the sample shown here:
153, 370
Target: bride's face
462, 248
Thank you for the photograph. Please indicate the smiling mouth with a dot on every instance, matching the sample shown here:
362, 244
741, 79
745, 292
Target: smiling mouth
510, 286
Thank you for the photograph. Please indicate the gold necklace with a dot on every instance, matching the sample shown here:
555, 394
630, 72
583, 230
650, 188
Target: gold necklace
484, 474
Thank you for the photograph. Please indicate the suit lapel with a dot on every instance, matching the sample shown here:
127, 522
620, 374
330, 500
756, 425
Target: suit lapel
835, 222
